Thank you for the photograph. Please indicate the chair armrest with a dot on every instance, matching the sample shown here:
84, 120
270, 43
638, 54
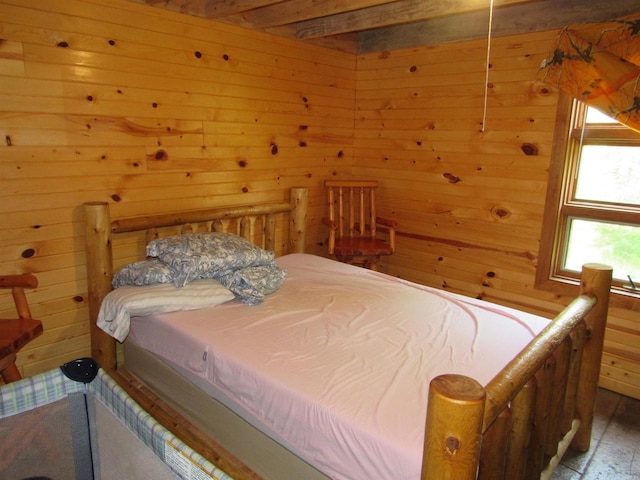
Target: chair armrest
387, 222
390, 226
25, 280
332, 224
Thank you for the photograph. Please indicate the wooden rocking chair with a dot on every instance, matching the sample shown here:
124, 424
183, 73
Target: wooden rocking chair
354, 225
15, 333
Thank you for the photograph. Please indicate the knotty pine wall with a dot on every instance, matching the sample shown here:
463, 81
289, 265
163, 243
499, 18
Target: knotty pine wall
470, 201
155, 111
151, 111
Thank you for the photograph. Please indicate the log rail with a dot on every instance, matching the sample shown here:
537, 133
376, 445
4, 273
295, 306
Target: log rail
540, 404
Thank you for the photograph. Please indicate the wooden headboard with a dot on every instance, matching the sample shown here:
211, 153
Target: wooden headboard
257, 223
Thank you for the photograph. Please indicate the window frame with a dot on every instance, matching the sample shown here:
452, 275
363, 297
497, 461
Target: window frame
560, 205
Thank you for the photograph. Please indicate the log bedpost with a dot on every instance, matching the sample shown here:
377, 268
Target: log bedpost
99, 274
595, 281
299, 197
453, 429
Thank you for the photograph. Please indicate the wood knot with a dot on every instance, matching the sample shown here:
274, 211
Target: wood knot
161, 155
28, 253
529, 149
500, 213
542, 89
452, 445
451, 177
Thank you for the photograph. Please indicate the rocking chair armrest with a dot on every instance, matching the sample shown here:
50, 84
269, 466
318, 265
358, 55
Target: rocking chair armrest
392, 224
390, 227
25, 280
332, 224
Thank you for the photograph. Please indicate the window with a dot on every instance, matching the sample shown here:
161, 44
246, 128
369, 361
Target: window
593, 200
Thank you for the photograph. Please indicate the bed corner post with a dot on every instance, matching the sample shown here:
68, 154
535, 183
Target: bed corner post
595, 281
99, 273
453, 431
299, 198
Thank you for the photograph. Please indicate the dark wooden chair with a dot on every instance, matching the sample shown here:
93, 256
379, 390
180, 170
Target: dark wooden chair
354, 227
15, 333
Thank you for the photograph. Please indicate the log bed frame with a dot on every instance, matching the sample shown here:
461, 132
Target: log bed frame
516, 427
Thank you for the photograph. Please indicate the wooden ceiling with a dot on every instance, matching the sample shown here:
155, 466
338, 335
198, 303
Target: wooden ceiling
376, 25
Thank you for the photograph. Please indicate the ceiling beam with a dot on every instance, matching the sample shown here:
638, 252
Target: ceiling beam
196, 8
294, 11
514, 20
223, 8
391, 14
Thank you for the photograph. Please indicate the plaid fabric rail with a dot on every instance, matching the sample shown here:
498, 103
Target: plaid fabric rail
36, 391
49, 387
160, 440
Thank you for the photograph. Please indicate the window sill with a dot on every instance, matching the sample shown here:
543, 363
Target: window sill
568, 286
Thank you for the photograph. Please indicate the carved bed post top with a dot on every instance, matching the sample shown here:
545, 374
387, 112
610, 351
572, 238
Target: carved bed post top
453, 430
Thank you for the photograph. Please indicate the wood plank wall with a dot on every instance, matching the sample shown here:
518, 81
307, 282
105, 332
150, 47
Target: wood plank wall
469, 200
156, 111
149, 110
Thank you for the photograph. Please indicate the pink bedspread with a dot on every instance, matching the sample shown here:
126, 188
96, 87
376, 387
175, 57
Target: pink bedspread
338, 361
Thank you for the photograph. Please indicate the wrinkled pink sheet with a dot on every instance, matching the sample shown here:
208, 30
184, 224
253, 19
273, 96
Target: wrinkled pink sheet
338, 361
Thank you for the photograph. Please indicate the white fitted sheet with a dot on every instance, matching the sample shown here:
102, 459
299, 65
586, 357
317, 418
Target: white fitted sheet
338, 361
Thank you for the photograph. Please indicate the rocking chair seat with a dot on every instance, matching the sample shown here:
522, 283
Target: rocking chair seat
361, 246
354, 225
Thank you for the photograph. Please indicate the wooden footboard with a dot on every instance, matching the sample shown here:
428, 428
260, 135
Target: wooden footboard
522, 422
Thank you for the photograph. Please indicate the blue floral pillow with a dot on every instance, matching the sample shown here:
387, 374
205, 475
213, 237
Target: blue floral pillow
146, 272
251, 284
207, 255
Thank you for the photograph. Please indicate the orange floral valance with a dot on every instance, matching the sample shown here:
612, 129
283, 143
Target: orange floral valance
599, 63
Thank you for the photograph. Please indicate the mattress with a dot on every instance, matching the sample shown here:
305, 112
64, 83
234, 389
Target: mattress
336, 364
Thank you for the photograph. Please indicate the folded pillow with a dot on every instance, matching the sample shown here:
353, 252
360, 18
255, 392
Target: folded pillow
146, 272
251, 284
206, 255
125, 302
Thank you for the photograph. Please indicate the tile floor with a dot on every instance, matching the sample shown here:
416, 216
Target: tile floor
615, 445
